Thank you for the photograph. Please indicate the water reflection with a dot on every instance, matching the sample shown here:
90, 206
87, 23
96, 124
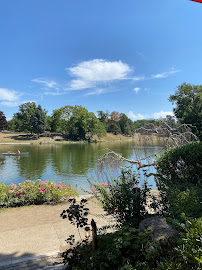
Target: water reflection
62, 162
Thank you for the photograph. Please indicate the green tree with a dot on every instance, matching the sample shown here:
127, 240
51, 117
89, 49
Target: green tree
48, 123
38, 120
3, 121
103, 117
22, 118
82, 125
188, 110
60, 118
126, 125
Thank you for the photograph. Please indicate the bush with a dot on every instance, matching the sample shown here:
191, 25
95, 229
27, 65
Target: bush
122, 197
188, 254
34, 192
179, 174
180, 166
125, 249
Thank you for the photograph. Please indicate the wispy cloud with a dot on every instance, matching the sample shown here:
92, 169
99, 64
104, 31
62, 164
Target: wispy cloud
135, 117
162, 114
90, 74
136, 89
139, 78
96, 92
47, 83
164, 74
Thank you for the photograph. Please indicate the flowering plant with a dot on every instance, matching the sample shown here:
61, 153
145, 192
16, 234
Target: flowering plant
34, 192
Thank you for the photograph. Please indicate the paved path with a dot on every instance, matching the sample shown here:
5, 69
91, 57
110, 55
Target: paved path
32, 237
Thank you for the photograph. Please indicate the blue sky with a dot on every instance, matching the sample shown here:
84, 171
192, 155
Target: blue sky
127, 56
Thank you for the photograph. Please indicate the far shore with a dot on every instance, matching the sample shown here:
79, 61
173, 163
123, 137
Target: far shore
50, 138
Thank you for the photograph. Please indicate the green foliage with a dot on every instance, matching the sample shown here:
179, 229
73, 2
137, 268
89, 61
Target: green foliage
179, 174
187, 202
48, 123
188, 254
188, 110
30, 118
180, 166
122, 198
23, 117
82, 124
127, 248
38, 120
34, 192
60, 118
3, 121
76, 213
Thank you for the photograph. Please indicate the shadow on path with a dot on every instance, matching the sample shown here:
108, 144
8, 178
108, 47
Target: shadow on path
31, 261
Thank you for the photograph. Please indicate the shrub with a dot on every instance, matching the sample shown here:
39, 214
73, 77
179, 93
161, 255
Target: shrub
179, 174
122, 197
180, 166
34, 192
188, 254
127, 248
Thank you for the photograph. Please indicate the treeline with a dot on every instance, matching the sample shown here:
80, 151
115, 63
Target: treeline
74, 121
80, 124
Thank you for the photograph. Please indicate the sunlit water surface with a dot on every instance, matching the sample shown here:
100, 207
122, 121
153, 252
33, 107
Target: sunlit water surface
71, 163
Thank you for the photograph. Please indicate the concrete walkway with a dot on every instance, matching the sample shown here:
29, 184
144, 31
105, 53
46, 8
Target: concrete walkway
32, 237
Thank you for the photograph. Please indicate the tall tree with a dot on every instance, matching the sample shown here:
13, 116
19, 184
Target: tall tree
103, 117
3, 121
22, 118
83, 124
188, 110
126, 125
60, 118
38, 120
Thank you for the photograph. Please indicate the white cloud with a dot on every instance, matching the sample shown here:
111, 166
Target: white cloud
162, 114
10, 103
164, 74
136, 89
135, 117
139, 78
46, 83
8, 95
90, 73
96, 92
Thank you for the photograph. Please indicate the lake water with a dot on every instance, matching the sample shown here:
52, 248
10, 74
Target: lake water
71, 163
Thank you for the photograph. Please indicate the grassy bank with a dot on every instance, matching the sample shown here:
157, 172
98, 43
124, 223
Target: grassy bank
23, 138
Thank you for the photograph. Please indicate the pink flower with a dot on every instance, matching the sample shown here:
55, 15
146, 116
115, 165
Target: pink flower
106, 185
10, 191
27, 181
13, 185
63, 182
66, 186
94, 189
59, 187
42, 182
60, 182
23, 199
101, 184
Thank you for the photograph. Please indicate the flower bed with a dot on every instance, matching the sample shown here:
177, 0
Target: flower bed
34, 192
